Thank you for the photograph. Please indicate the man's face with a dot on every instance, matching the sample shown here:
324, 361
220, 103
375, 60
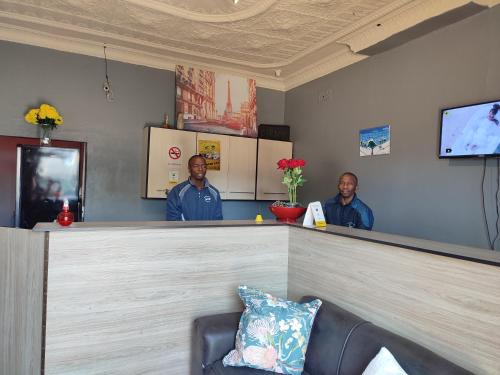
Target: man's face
198, 168
347, 186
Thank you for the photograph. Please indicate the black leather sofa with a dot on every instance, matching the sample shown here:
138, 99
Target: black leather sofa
341, 343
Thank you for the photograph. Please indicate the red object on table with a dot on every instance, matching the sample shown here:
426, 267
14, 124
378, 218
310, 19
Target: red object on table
65, 217
287, 214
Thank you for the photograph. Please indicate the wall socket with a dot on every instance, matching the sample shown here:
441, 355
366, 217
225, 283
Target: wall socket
324, 96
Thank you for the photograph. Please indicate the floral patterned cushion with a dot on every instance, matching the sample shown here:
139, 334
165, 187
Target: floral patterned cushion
273, 333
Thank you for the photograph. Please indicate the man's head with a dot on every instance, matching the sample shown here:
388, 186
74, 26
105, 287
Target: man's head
197, 167
348, 182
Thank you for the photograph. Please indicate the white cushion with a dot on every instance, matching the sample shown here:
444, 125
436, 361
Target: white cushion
384, 363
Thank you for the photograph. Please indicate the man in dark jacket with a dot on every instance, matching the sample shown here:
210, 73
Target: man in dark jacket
346, 208
195, 198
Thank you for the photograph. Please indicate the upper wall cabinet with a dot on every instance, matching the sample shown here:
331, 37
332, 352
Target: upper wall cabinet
242, 168
231, 162
215, 149
165, 158
269, 177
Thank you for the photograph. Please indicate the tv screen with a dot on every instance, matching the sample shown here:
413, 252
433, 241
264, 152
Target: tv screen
470, 131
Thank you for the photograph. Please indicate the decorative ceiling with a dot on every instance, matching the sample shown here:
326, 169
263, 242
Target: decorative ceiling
280, 43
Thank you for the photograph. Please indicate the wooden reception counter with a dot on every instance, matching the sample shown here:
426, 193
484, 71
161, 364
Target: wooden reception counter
121, 297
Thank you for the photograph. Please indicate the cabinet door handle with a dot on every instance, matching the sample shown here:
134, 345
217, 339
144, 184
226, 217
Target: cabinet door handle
274, 193
242, 192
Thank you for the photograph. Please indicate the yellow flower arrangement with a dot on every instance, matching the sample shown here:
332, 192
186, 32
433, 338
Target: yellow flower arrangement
45, 116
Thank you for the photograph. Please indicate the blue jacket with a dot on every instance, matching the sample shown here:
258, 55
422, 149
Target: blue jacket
186, 202
355, 214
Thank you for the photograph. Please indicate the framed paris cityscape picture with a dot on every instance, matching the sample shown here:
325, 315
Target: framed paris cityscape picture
215, 102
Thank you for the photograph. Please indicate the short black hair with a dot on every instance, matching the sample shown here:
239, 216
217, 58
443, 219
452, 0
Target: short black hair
194, 157
349, 174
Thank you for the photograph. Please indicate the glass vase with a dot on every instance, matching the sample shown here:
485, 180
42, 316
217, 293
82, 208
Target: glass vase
45, 135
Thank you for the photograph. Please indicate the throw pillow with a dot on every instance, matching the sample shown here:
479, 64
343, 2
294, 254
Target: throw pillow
384, 363
273, 333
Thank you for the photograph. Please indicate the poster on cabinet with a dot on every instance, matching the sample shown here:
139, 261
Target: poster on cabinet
213, 102
211, 151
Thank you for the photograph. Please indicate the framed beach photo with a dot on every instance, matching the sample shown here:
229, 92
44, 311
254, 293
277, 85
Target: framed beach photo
375, 141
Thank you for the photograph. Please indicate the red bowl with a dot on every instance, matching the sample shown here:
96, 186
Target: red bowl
287, 214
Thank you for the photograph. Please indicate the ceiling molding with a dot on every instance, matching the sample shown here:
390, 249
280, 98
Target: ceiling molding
487, 3
281, 44
332, 39
400, 19
83, 34
423, 28
322, 67
259, 7
119, 53
80, 34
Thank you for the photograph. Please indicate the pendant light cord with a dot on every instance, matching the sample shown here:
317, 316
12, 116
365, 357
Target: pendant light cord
107, 84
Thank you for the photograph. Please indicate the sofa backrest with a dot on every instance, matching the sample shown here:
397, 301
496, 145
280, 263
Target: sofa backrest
342, 343
332, 326
366, 341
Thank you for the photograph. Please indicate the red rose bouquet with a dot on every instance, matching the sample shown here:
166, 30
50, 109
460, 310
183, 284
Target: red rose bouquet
292, 176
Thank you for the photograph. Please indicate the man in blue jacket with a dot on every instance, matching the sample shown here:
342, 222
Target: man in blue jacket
195, 198
346, 208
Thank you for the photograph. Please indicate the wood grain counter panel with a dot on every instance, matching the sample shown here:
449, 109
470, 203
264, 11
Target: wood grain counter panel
21, 300
448, 305
125, 301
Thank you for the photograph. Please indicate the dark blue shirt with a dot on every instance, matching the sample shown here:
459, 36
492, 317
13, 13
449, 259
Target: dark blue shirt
186, 202
355, 214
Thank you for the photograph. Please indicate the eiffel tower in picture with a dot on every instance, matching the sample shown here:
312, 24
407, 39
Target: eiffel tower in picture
228, 112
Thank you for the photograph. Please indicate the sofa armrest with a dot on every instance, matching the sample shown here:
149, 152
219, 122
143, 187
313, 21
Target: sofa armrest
213, 338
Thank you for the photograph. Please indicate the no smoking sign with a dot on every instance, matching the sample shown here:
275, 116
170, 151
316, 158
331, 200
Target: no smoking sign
174, 153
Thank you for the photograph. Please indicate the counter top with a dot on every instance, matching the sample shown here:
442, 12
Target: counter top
127, 225
439, 248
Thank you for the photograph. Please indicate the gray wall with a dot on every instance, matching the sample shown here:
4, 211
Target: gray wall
411, 191
72, 83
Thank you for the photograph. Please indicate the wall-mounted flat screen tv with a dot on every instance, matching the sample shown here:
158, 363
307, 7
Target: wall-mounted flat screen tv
470, 131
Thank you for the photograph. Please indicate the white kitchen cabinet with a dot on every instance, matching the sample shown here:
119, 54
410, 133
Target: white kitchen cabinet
242, 168
269, 177
215, 149
231, 164
237, 174
165, 157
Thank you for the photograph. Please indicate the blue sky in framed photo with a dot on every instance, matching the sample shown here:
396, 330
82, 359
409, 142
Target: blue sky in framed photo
375, 141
